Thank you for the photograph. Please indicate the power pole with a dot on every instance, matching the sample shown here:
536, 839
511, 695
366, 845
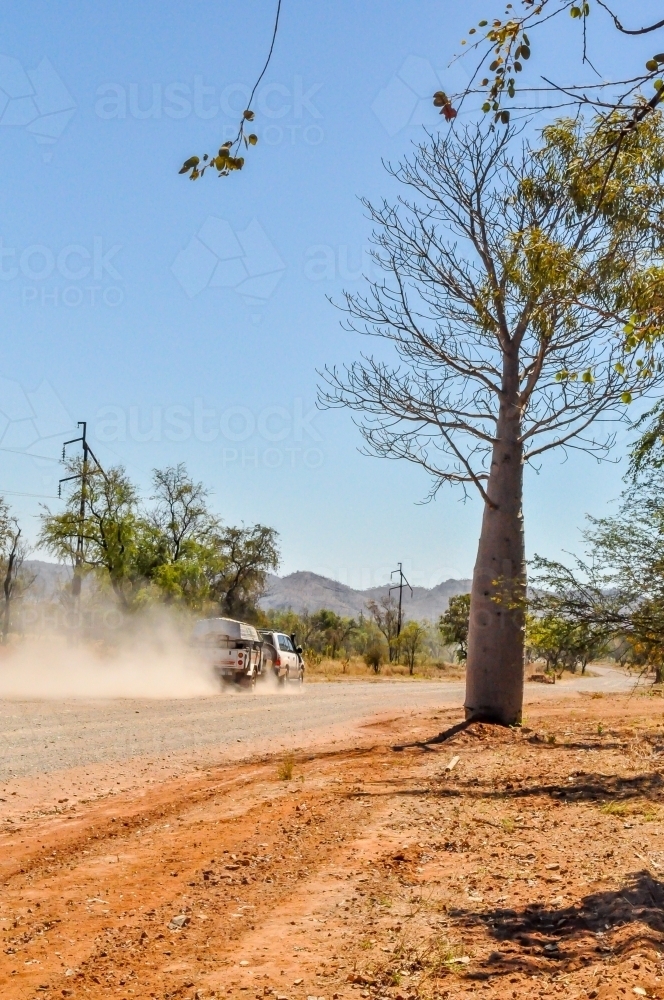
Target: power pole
399, 587
83, 476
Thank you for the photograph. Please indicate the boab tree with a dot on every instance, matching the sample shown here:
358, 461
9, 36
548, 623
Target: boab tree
505, 284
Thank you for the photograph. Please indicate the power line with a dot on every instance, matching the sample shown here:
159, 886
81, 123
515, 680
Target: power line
39, 496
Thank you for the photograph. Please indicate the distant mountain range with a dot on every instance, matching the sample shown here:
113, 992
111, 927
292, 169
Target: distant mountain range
309, 592
48, 579
298, 592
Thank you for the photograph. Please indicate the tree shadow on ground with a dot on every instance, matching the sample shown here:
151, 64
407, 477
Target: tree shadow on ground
573, 935
583, 788
479, 731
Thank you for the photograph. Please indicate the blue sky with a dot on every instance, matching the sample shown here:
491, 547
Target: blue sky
185, 322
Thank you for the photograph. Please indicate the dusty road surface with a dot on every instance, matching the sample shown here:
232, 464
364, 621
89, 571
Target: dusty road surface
502, 863
42, 736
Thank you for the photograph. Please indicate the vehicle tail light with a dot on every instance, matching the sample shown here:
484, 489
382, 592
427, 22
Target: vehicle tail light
278, 661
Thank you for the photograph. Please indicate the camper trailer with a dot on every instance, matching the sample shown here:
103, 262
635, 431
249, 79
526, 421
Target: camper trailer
233, 650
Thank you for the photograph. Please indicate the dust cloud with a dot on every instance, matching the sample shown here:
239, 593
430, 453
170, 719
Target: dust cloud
152, 662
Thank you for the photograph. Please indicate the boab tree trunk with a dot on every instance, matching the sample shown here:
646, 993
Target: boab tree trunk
494, 674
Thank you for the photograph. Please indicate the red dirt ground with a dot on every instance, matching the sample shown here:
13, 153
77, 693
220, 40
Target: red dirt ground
532, 865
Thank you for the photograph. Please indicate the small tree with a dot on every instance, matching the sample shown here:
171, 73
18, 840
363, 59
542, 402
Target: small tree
180, 514
548, 638
507, 283
374, 657
617, 591
13, 550
109, 529
453, 625
332, 631
238, 579
410, 642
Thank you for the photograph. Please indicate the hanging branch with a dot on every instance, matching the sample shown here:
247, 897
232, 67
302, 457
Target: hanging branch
228, 159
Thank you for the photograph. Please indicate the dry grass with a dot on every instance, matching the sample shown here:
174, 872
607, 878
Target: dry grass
356, 669
644, 809
285, 771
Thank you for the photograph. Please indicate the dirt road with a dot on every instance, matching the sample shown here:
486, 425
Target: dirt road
39, 737
505, 863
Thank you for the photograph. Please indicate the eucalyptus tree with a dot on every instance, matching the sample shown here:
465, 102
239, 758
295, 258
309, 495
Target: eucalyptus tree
504, 285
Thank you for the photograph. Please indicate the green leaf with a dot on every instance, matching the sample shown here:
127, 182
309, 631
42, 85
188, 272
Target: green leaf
483, 24
486, 106
525, 52
193, 161
652, 65
505, 117
575, 11
619, 368
252, 139
587, 377
626, 397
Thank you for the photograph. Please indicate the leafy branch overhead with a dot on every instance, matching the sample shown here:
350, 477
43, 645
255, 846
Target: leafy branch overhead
229, 158
504, 45
225, 162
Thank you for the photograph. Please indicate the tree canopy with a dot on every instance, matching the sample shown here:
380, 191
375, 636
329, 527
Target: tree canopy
172, 549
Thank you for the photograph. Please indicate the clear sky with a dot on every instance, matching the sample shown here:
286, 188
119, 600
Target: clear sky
185, 322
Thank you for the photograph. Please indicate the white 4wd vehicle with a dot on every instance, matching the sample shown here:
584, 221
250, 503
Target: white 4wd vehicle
282, 656
233, 650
